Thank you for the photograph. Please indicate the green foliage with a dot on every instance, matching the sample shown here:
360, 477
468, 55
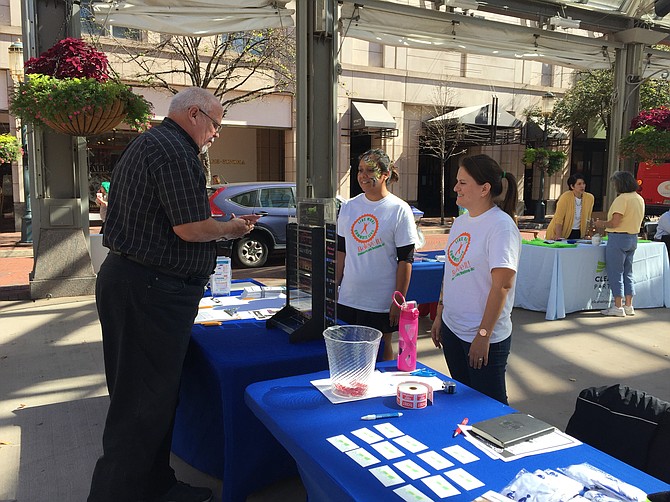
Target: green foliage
646, 143
654, 93
42, 97
592, 96
550, 161
10, 149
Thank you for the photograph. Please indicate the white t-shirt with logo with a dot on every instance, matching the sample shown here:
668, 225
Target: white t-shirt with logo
372, 231
475, 247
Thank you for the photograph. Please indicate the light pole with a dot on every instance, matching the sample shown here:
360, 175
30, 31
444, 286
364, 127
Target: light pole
547, 108
16, 72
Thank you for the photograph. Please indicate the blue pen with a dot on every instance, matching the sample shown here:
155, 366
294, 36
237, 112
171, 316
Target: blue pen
382, 415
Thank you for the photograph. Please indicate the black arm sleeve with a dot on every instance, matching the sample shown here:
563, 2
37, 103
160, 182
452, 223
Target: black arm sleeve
341, 246
406, 253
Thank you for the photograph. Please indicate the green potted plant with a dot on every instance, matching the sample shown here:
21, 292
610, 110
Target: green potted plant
10, 149
549, 161
68, 88
649, 139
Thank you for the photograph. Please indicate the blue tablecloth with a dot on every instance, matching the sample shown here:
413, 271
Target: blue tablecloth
424, 285
560, 281
301, 418
214, 431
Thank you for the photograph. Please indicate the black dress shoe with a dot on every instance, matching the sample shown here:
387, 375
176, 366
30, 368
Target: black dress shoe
183, 492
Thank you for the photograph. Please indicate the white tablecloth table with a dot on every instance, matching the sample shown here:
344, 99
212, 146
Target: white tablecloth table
563, 280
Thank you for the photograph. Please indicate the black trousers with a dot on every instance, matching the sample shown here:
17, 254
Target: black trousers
146, 319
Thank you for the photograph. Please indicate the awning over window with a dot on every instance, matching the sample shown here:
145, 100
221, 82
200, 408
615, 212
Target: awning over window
371, 116
479, 115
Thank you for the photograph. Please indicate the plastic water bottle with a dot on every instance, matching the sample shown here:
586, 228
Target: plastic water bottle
408, 331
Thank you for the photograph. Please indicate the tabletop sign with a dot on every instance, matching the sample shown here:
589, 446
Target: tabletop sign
311, 246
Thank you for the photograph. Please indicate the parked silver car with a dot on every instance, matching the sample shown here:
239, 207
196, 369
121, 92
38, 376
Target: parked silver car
274, 201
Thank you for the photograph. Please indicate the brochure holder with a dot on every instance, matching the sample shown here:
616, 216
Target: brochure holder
311, 248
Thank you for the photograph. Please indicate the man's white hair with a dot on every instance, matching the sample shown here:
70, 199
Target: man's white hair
193, 96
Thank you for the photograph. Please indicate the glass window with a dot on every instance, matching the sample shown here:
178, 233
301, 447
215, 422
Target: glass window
246, 199
277, 197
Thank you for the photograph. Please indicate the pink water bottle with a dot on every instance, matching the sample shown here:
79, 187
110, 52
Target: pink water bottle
408, 332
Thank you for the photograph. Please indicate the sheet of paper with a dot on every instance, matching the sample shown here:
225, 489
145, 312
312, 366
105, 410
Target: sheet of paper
389, 430
383, 384
223, 314
342, 443
220, 301
378, 387
460, 454
440, 486
367, 435
411, 494
386, 475
363, 457
464, 479
411, 469
435, 460
215, 315
387, 450
411, 444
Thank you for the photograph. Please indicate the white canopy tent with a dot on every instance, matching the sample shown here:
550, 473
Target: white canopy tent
392, 23
479, 115
423, 25
198, 18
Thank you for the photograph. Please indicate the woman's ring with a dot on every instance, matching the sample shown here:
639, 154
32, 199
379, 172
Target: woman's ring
480, 359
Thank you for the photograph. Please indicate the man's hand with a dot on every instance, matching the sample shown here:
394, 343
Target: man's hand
240, 225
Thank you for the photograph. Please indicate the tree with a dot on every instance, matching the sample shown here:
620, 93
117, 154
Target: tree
592, 96
441, 137
237, 67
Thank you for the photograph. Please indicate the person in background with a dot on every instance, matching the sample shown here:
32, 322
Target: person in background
216, 180
101, 201
573, 211
623, 225
376, 238
663, 230
473, 325
162, 251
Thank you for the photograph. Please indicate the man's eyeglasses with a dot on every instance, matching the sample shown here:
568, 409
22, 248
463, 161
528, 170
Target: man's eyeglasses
217, 126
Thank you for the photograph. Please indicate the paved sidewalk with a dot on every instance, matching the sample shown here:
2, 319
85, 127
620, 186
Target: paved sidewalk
53, 397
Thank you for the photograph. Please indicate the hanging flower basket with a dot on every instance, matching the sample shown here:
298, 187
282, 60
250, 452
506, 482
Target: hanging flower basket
88, 122
68, 89
649, 139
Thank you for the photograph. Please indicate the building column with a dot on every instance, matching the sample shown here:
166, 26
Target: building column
58, 175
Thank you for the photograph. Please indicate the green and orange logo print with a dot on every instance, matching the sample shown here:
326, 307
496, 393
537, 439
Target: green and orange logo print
364, 231
456, 253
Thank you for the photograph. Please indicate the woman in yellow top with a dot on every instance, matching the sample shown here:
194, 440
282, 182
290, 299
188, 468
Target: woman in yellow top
573, 211
623, 224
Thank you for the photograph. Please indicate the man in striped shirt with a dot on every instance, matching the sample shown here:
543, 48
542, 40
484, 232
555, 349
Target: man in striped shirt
162, 250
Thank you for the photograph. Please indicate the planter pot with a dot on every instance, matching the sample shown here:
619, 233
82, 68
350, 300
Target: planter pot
90, 123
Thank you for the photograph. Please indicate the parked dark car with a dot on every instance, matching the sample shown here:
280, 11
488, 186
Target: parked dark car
274, 201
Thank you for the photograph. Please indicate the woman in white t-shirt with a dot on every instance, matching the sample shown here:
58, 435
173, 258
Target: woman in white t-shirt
375, 250
473, 325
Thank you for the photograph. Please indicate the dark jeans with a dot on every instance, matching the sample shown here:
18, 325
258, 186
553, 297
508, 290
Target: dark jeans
146, 320
490, 379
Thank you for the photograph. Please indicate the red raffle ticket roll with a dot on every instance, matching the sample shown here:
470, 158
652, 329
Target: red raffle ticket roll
414, 395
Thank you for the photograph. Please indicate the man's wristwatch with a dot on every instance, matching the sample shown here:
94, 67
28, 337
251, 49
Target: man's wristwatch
483, 332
